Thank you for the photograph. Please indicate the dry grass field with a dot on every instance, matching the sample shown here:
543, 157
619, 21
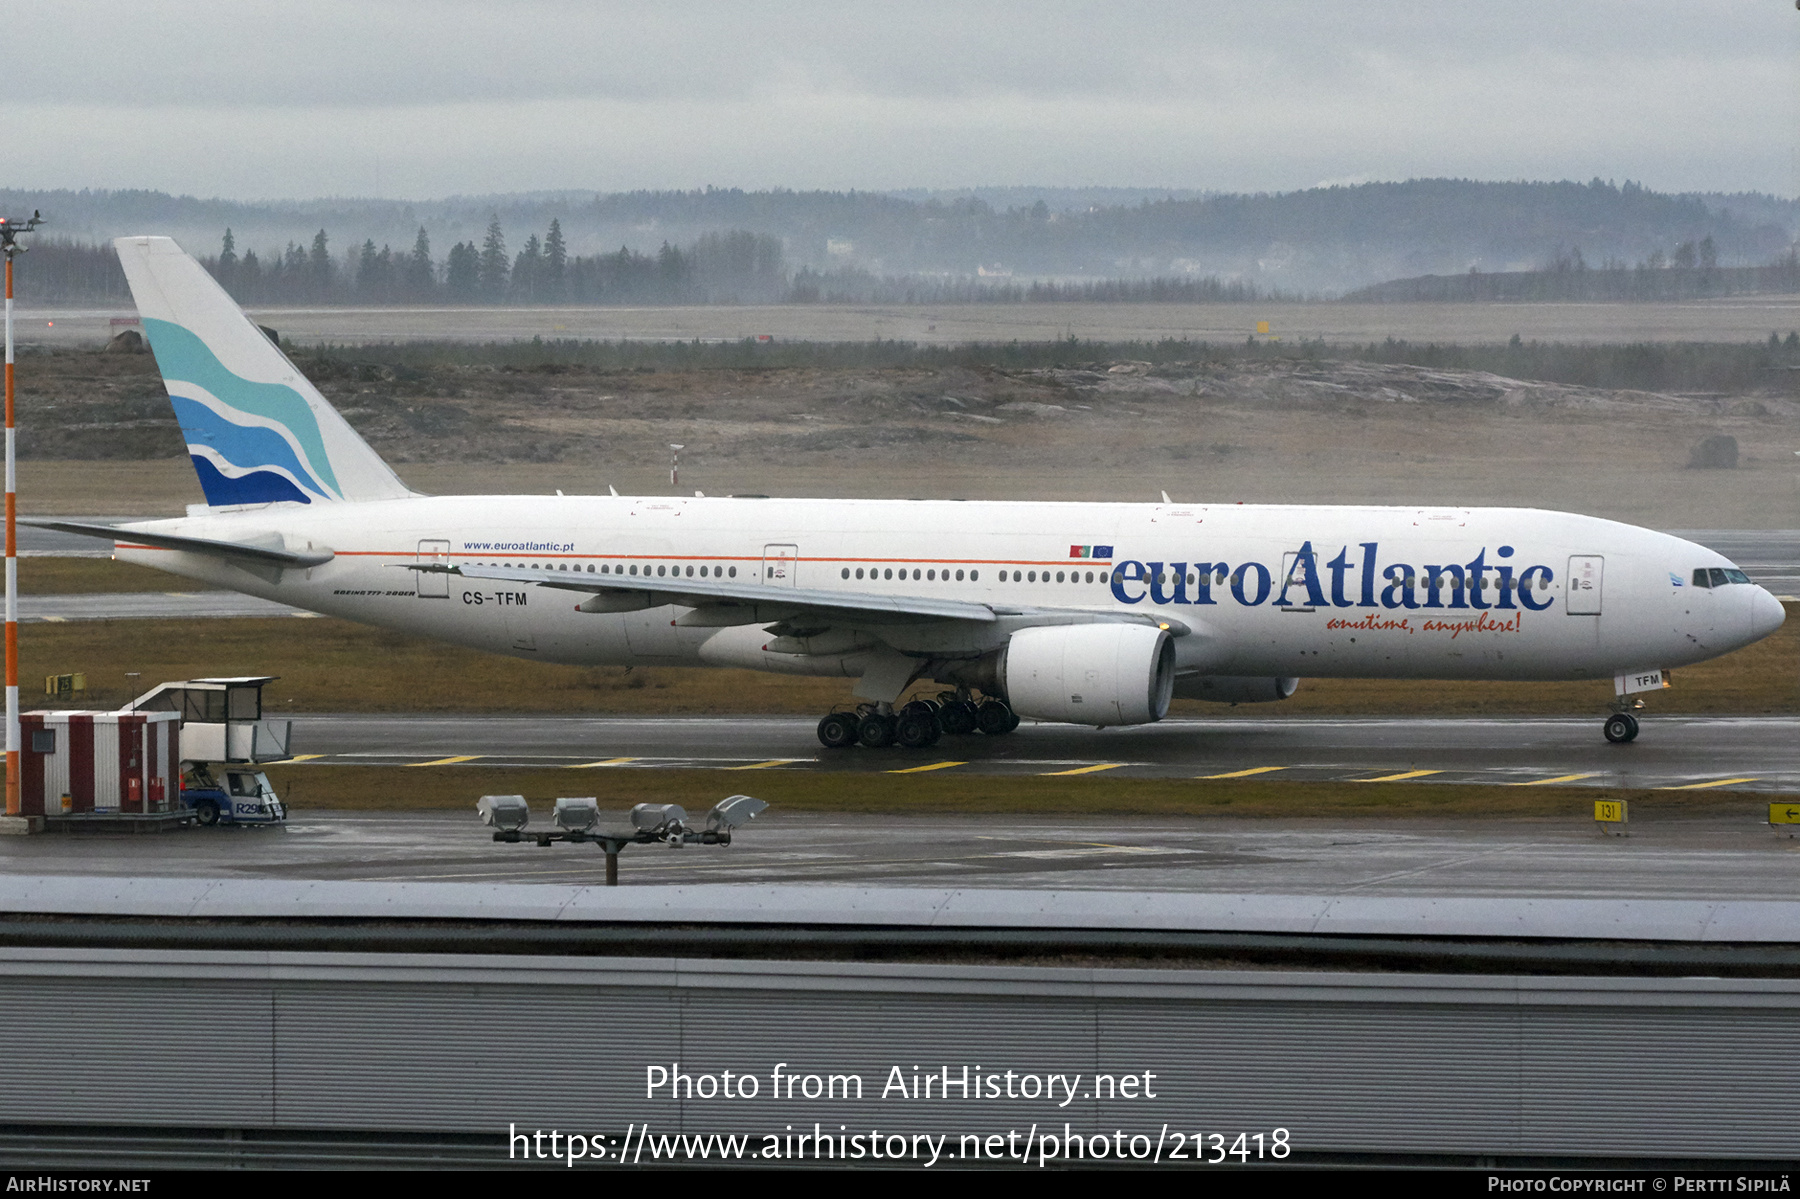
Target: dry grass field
97, 435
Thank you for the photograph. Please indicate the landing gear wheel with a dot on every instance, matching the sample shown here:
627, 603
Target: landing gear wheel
875, 731
207, 812
1621, 727
995, 718
957, 717
915, 730
839, 730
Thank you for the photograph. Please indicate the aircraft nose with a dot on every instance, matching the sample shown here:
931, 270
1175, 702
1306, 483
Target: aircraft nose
1766, 614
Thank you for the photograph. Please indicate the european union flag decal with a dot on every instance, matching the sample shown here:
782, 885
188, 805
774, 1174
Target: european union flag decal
1090, 551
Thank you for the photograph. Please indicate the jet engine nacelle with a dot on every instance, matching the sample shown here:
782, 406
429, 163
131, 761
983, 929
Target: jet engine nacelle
1235, 689
1099, 674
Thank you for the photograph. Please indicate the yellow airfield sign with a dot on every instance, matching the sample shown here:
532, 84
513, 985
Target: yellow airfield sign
1784, 813
1609, 811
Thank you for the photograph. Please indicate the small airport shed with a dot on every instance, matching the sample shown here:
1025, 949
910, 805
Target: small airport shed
124, 762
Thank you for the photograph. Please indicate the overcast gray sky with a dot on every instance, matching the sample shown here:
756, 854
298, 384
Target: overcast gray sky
262, 99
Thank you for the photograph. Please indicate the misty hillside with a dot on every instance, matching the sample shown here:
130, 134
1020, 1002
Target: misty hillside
1321, 241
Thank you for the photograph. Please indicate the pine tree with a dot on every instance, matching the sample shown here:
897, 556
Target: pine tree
322, 267
421, 276
525, 271
228, 262
249, 277
367, 270
493, 263
556, 264
462, 272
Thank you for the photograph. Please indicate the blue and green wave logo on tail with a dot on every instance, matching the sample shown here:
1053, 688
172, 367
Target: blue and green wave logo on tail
251, 443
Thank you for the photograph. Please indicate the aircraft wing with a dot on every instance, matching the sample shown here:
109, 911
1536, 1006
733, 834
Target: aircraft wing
723, 602
727, 593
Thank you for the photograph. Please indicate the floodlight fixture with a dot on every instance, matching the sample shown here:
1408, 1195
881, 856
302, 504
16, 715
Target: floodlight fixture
508, 813
577, 815
734, 811
663, 818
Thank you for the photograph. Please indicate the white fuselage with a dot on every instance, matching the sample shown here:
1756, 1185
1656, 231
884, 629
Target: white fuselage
1234, 578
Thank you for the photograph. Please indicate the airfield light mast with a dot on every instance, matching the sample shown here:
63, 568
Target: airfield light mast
9, 245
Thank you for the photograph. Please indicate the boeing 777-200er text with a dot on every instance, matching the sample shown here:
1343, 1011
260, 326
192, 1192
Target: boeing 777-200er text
1089, 613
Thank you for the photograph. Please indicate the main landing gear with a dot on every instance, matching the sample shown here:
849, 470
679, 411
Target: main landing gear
917, 725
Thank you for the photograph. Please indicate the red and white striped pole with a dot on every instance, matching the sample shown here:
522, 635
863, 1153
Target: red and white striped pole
12, 568
9, 231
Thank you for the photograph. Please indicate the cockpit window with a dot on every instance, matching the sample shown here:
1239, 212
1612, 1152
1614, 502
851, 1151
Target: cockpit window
1715, 576
1736, 576
1701, 579
1718, 577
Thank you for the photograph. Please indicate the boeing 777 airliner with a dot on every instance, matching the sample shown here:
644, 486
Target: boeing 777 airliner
1089, 613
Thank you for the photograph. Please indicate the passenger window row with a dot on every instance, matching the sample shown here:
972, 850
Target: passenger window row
663, 571
931, 575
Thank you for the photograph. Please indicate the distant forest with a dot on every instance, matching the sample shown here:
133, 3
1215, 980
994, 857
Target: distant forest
1691, 273
735, 267
1441, 238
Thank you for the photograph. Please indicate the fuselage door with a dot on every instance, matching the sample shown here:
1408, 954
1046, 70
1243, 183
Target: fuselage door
433, 584
781, 565
1584, 585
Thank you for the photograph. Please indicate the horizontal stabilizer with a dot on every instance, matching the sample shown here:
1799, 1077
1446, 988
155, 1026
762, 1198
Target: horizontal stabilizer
274, 554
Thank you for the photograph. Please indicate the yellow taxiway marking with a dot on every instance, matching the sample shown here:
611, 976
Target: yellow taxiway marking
1244, 774
1084, 769
448, 761
928, 766
769, 763
296, 758
601, 762
1394, 778
56, 619
1704, 786
1561, 778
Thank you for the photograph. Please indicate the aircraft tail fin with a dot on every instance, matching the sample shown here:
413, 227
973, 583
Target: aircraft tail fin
258, 432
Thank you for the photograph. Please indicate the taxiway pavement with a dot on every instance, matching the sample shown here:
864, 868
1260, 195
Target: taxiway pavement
1723, 856
1760, 754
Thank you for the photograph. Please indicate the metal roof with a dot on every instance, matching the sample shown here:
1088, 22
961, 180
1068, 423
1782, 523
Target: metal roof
1678, 920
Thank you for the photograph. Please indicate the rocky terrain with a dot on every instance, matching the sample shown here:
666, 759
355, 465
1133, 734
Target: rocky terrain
1257, 431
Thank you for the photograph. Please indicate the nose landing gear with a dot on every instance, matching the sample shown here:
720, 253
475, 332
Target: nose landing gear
1621, 727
